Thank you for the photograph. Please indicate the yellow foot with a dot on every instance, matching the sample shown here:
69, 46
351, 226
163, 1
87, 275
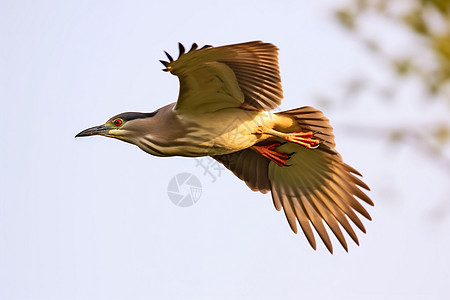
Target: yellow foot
302, 138
269, 151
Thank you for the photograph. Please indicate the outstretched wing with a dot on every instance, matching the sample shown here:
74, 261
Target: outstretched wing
242, 75
249, 167
315, 187
318, 186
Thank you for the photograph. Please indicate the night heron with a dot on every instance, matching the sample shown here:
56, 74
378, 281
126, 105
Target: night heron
222, 111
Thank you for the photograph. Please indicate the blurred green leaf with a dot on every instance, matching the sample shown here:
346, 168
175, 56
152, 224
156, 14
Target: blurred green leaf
355, 86
381, 6
323, 101
361, 5
441, 43
346, 18
426, 59
397, 136
415, 21
418, 17
442, 5
442, 134
372, 45
402, 67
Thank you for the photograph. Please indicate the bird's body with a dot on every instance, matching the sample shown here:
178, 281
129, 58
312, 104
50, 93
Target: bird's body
204, 134
225, 131
223, 111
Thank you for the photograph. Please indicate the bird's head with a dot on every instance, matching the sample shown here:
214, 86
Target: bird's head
124, 126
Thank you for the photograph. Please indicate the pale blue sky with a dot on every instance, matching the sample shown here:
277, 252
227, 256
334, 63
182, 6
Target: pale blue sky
91, 218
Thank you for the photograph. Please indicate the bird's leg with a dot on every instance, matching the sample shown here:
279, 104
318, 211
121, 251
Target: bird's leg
269, 151
302, 138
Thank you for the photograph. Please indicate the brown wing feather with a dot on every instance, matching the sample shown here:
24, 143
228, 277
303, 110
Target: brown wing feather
317, 186
204, 75
316, 181
249, 167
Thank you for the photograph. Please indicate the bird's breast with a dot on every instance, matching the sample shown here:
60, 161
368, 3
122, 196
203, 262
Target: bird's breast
227, 131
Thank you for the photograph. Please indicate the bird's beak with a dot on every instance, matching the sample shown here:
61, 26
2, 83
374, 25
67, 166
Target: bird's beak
96, 130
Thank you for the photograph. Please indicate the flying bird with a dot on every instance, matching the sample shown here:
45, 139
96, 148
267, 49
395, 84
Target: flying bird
223, 111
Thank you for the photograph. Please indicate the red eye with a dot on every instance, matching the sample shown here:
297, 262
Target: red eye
118, 122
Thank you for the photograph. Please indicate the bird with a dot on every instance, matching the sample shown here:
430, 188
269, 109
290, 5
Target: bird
225, 110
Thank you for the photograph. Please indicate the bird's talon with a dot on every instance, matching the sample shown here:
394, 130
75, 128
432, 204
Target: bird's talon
269, 151
303, 138
315, 147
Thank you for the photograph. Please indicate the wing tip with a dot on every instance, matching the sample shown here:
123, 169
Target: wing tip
181, 48
169, 56
166, 65
193, 47
206, 47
